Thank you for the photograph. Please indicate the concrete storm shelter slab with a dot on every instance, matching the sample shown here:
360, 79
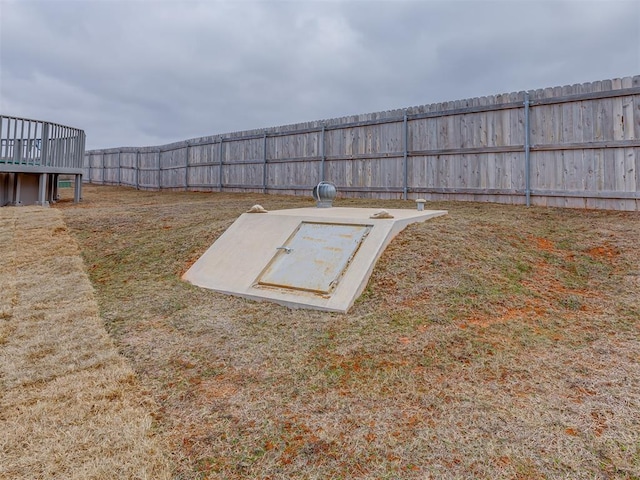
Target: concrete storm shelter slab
319, 258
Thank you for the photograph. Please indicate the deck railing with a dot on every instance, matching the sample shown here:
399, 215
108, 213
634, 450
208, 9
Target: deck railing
37, 143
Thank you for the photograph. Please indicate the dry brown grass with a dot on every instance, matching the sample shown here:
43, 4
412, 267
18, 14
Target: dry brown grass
70, 406
496, 342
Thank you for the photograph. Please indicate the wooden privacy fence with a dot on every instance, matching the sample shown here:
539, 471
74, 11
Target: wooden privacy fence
571, 146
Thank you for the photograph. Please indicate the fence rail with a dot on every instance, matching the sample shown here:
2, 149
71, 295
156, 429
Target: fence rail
573, 146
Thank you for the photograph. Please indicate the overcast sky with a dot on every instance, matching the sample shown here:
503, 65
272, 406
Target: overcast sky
150, 72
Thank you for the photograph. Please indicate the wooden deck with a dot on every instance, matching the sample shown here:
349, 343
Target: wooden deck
33, 154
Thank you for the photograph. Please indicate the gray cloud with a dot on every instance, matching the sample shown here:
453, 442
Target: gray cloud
152, 72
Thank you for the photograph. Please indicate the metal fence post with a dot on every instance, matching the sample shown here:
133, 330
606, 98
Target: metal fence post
220, 170
264, 164
405, 167
186, 171
527, 150
137, 170
159, 170
322, 154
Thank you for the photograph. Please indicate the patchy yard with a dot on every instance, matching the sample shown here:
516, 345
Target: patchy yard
495, 342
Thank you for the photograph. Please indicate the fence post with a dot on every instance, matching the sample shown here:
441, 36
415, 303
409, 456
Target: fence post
405, 168
103, 168
264, 164
186, 171
322, 155
159, 152
137, 170
220, 171
119, 169
527, 151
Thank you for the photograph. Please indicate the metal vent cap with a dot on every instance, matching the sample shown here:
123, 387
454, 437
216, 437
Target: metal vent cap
324, 193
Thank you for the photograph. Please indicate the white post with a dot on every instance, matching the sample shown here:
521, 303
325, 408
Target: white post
42, 190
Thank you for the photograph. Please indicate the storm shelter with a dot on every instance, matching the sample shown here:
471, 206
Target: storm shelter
319, 258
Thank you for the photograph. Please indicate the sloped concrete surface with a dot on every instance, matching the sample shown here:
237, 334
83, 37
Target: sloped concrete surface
235, 262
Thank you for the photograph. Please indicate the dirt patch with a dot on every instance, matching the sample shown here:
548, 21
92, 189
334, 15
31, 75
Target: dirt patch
606, 251
543, 244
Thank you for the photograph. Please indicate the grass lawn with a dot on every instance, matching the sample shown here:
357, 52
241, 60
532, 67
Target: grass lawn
70, 406
495, 342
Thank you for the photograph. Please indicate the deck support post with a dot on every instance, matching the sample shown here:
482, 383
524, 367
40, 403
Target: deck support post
53, 188
16, 190
77, 191
42, 190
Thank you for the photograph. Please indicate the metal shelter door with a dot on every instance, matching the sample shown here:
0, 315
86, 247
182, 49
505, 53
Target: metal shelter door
314, 257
